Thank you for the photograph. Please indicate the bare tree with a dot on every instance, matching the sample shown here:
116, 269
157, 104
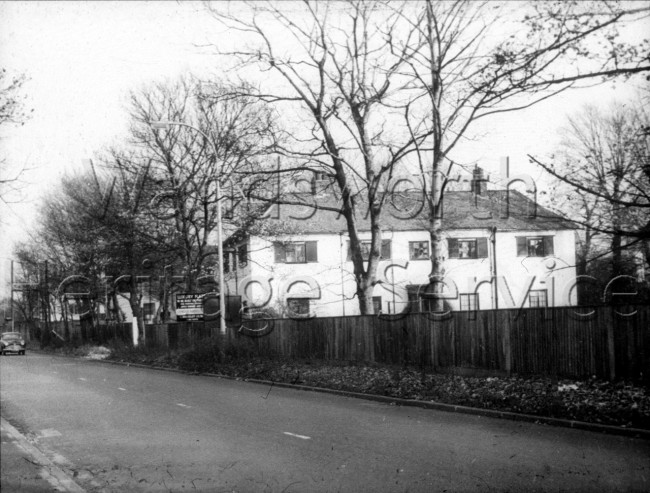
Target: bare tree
184, 167
228, 141
12, 112
338, 84
379, 86
603, 166
92, 226
471, 64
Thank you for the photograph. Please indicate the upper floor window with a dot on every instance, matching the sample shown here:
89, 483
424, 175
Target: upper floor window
226, 261
419, 250
386, 247
242, 254
534, 246
296, 252
467, 247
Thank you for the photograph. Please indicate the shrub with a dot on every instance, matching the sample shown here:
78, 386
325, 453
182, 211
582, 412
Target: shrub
241, 348
202, 358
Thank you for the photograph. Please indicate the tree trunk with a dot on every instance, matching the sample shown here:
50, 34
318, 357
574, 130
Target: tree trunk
364, 292
617, 258
436, 278
134, 302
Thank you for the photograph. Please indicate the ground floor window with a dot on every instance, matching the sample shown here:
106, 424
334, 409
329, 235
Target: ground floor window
376, 304
298, 307
537, 298
148, 311
421, 298
469, 301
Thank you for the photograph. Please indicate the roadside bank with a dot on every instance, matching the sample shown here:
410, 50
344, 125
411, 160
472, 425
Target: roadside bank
613, 407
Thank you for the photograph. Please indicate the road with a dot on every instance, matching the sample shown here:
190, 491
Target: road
121, 429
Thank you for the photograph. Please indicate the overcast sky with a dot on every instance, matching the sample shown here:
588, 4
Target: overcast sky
83, 57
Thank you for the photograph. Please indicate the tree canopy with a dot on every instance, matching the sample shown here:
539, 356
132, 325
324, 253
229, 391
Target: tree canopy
373, 89
12, 112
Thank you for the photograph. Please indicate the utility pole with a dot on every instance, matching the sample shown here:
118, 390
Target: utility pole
13, 323
45, 306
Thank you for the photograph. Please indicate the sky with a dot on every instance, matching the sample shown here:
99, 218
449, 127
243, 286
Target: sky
82, 58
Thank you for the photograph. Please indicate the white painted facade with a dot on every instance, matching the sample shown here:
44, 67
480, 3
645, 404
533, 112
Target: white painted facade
521, 279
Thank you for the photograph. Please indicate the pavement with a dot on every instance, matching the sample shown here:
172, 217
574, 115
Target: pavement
117, 429
24, 468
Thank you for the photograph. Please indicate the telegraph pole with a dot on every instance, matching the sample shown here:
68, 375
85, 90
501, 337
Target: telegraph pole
12, 298
45, 303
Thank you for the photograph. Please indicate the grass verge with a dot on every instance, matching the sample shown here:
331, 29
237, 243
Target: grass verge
594, 401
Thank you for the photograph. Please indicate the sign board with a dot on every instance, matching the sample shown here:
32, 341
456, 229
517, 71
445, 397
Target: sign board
24, 286
189, 307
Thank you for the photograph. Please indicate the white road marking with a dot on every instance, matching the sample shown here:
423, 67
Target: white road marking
49, 432
183, 405
120, 388
80, 378
302, 437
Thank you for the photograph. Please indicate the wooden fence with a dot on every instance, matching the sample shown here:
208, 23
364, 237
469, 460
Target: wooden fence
606, 342
576, 342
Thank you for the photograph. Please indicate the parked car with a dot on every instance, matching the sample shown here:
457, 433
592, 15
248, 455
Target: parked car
12, 342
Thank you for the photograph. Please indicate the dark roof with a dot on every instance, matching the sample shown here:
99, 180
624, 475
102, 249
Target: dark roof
461, 210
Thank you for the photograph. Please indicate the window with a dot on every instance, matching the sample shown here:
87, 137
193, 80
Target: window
418, 250
365, 250
426, 303
534, 246
421, 298
242, 254
298, 307
467, 248
469, 301
537, 298
296, 252
226, 261
148, 311
376, 304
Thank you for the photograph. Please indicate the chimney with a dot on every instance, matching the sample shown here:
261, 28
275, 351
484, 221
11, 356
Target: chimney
479, 182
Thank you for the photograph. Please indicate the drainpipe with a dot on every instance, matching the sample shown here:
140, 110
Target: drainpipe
236, 267
342, 277
493, 268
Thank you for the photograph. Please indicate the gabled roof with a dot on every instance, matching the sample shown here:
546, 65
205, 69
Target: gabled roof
461, 210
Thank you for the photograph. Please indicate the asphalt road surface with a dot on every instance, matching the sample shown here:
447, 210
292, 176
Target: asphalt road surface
121, 429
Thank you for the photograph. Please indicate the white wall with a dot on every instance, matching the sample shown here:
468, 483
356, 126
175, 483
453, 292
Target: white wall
125, 305
330, 282
554, 273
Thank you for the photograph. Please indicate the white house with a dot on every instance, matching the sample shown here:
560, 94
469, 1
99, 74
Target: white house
501, 251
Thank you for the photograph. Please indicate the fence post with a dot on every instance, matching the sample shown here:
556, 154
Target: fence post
435, 361
507, 348
611, 343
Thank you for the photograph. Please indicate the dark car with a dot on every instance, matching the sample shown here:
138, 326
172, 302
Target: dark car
12, 342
